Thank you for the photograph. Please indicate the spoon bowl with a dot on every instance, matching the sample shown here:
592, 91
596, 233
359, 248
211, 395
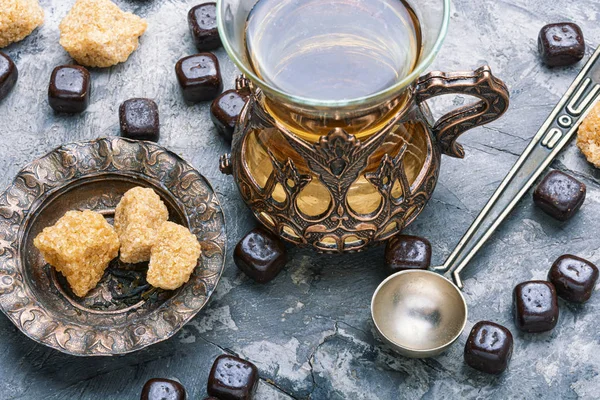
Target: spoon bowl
418, 313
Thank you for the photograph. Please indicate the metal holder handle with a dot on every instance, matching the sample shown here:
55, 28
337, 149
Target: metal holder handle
493, 102
544, 147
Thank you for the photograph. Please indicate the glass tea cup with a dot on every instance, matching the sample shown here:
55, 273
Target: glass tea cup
341, 174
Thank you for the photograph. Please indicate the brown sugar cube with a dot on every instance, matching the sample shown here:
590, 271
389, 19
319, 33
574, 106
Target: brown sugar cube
96, 33
18, 18
137, 217
174, 256
588, 136
80, 246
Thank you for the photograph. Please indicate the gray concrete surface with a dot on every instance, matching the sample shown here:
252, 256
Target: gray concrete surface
309, 330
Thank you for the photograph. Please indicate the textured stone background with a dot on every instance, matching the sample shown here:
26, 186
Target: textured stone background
309, 331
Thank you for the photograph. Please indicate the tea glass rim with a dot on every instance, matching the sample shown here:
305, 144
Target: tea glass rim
380, 96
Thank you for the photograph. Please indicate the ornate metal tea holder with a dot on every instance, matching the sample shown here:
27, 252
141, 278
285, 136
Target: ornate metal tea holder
339, 159
421, 313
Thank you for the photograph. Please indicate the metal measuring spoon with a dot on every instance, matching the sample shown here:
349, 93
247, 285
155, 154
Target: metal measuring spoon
421, 313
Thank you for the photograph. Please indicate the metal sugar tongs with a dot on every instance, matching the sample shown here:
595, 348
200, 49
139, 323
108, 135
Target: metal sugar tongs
420, 313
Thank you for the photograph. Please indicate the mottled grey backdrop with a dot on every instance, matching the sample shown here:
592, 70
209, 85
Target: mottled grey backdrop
309, 331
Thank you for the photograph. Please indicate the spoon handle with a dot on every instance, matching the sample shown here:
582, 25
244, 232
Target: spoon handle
556, 132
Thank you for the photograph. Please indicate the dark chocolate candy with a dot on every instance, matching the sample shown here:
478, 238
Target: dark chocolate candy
559, 195
232, 378
199, 77
139, 119
225, 111
574, 278
407, 252
489, 347
163, 389
8, 75
561, 44
69, 90
260, 255
536, 306
202, 20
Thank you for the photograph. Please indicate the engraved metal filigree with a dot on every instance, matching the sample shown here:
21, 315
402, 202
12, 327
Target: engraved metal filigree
338, 159
389, 172
288, 176
481, 83
121, 315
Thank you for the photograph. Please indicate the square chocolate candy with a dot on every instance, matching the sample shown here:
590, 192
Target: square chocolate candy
163, 389
489, 347
407, 252
232, 378
202, 20
559, 195
574, 278
225, 111
138, 119
535, 306
199, 77
260, 255
561, 44
8, 75
69, 90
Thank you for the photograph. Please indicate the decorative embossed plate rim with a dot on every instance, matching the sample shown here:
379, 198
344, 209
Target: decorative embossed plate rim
70, 163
